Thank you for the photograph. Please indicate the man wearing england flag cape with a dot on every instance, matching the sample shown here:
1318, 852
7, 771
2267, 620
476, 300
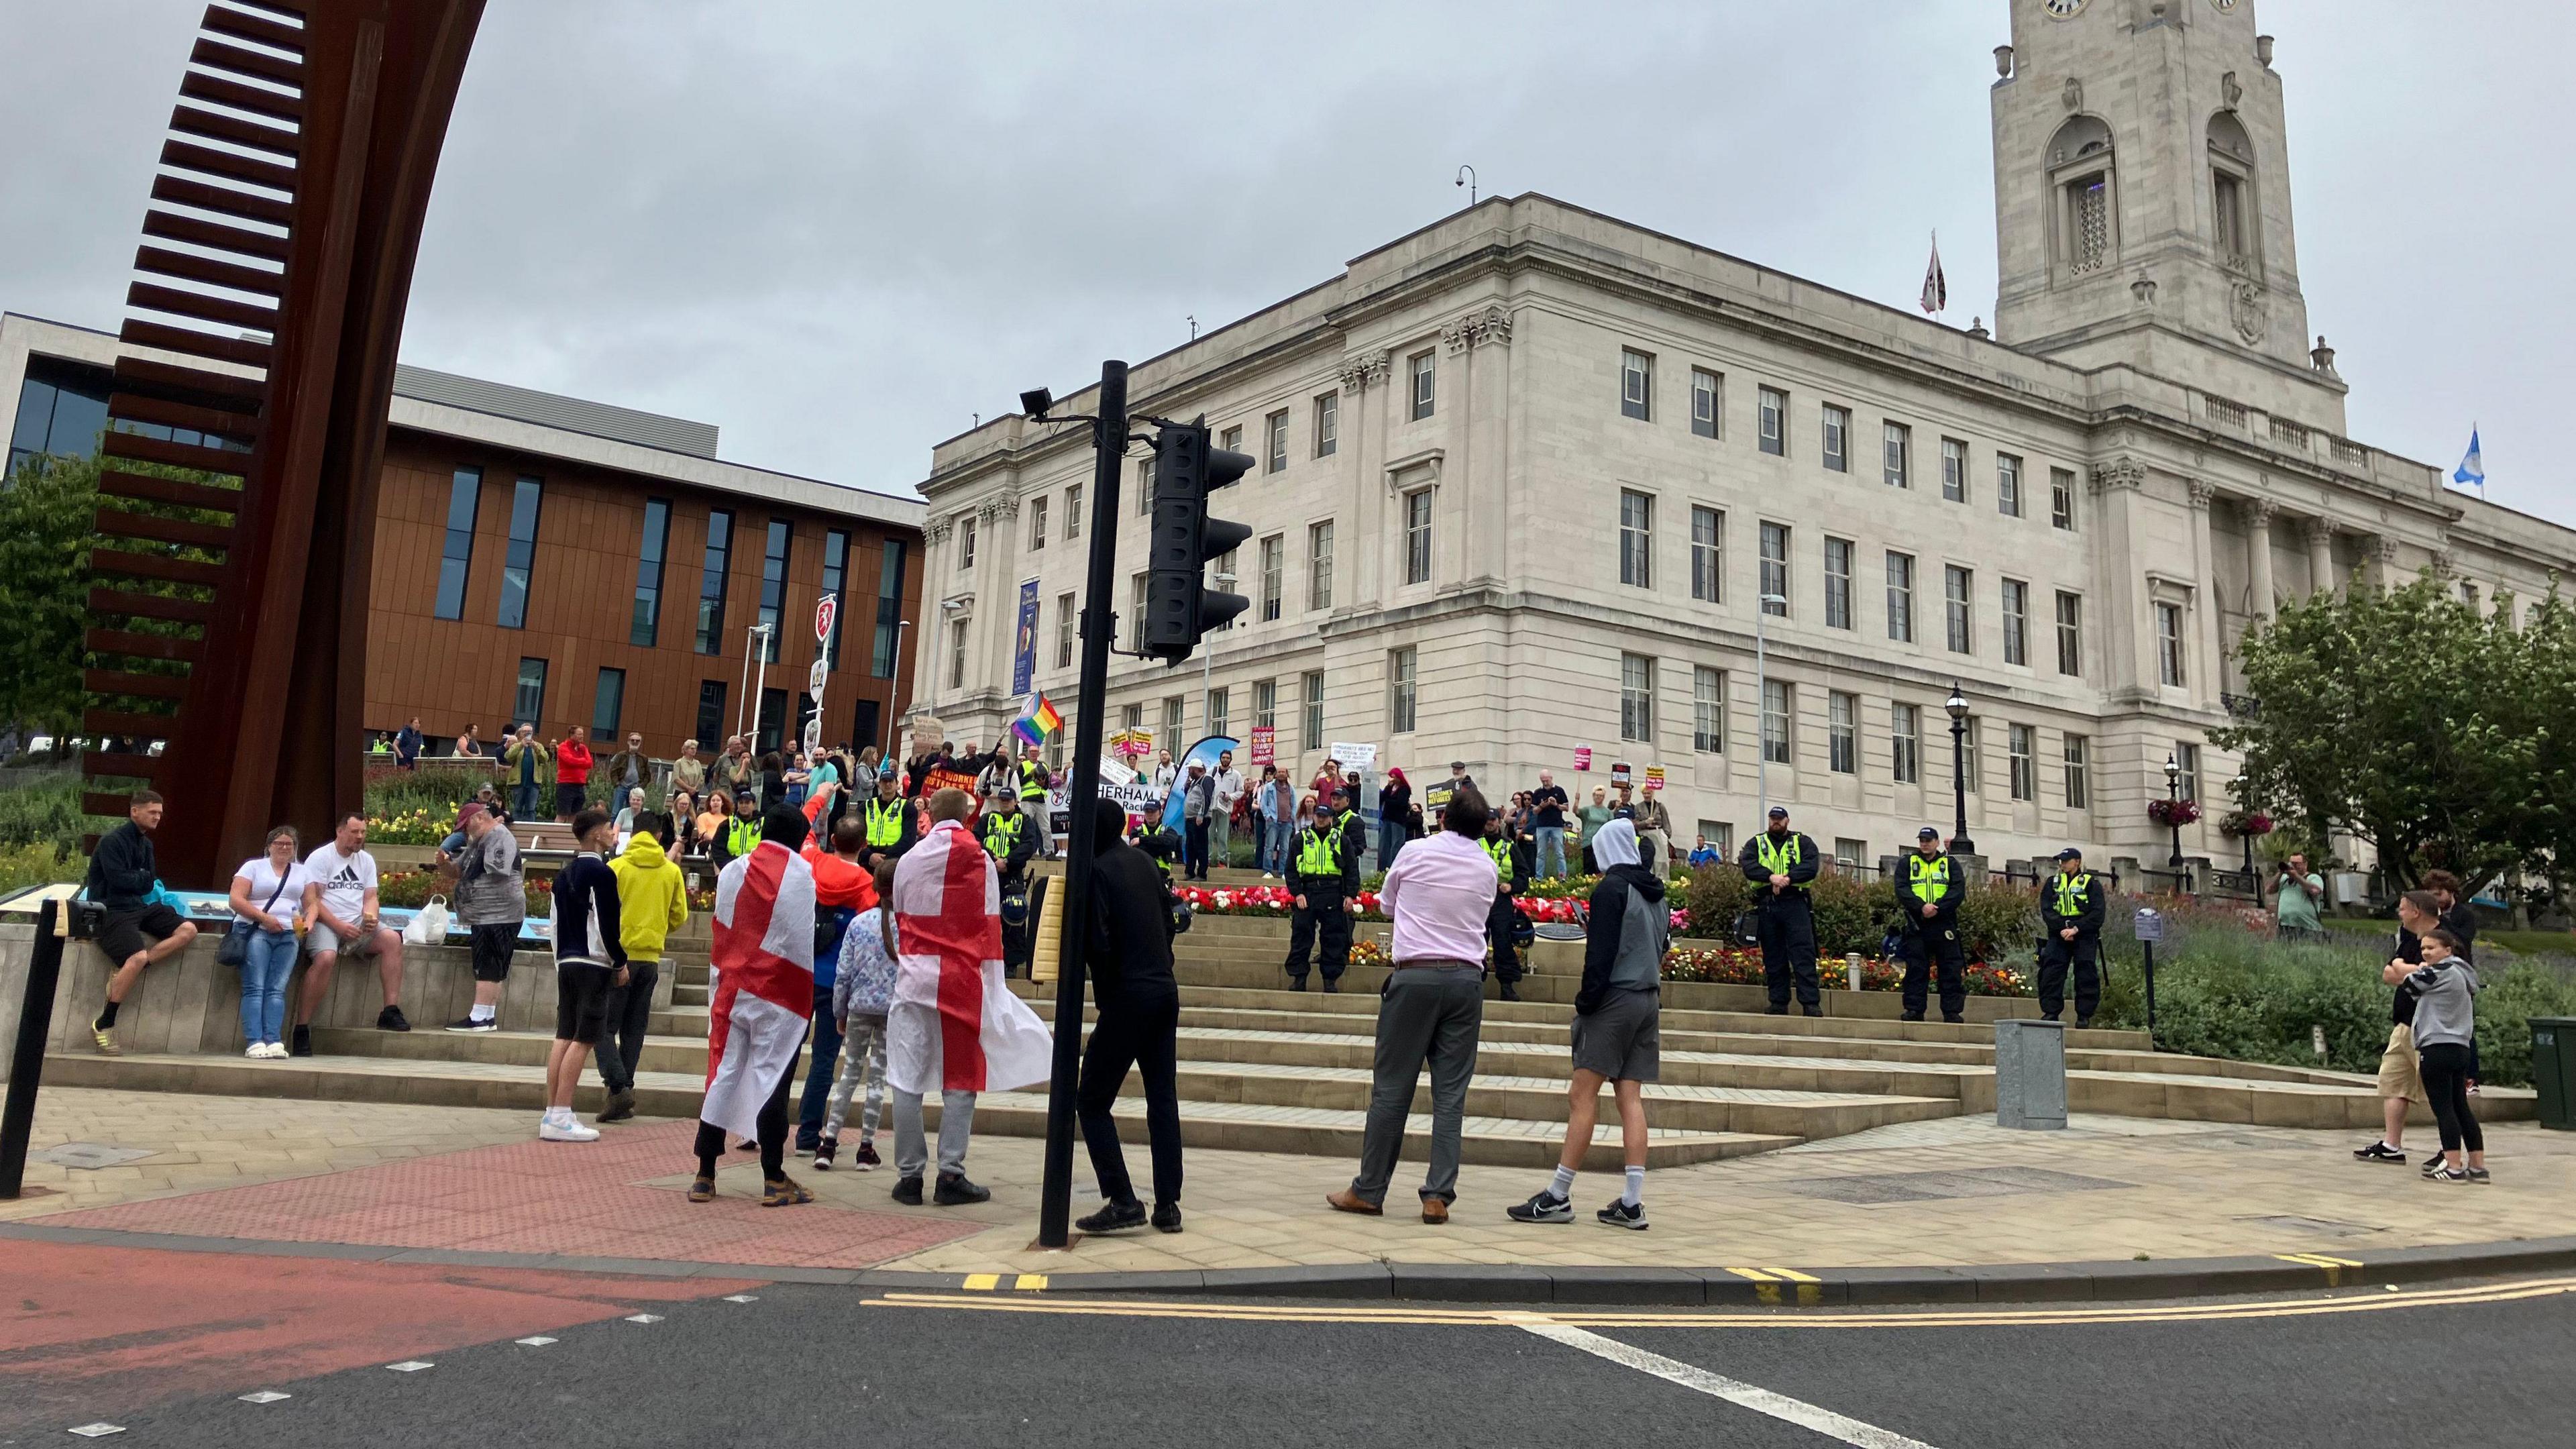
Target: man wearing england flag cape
761, 1005
955, 1028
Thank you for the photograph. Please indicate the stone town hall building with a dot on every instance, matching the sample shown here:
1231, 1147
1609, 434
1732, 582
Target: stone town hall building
1528, 473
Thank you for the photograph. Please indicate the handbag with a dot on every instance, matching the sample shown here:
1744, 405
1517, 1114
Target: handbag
428, 925
235, 949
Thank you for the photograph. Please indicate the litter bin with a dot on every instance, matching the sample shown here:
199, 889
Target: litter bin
2553, 1069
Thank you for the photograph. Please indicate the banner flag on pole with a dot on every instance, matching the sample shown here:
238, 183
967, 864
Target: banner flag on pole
1040, 723
1936, 287
2473, 465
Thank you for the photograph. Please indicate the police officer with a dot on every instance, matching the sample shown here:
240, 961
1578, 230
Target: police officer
1009, 840
1324, 880
1033, 781
2071, 906
889, 820
1781, 864
1511, 877
1929, 897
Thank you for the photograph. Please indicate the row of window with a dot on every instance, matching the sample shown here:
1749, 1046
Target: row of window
608, 709
1896, 443
644, 627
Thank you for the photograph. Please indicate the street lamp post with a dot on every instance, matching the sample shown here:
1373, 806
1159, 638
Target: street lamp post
1207, 670
2173, 819
1762, 710
1957, 705
2253, 882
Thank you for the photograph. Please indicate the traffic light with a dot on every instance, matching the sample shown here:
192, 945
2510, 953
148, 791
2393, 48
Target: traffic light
1179, 607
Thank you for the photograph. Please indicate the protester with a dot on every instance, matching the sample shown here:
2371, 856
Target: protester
713, 818
955, 1026
1617, 1030
652, 902
524, 761
629, 810
590, 961
340, 915
1438, 896
491, 901
773, 781
1928, 898
1166, 777
862, 993
1654, 832
1549, 803
1265, 819
688, 772
2461, 920
1511, 878
761, 1007
2072, 908
1782, 864
469, 745
630, 768
2446, 987
140, 928
268, 899
1324, 885
1128, 951
680, 821
572, 773
407, 744
1394, 807
732, 766
1198, 803
2296, 892
2401, 1080
1225, 787
1589, 819
1704, 852
843, 888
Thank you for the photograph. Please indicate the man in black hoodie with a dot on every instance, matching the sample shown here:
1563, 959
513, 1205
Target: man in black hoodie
1927, 898
1781, 863
140, 929
1511, 873
1129, 955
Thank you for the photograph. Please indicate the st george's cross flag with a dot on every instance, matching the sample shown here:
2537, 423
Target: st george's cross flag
764, 983
1936, 287
954, 1025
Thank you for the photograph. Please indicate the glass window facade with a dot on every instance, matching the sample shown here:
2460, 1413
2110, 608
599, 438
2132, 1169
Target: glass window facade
525, 502
645, 629
836, 583
712, 573
889, 608
456, 558
528, 705
773, 583
607, 705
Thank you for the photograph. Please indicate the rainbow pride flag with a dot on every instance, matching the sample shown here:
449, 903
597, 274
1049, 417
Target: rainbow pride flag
1041, 721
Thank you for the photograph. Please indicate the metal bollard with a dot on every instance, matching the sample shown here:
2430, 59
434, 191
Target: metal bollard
1851, 970
27, 1068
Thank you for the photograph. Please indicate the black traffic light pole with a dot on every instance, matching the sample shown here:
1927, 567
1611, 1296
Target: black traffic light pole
1091, 709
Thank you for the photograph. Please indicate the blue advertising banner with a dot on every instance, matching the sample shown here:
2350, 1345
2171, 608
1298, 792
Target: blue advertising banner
1024, 653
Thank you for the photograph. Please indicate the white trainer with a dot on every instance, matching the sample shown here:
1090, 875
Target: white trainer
566, 1128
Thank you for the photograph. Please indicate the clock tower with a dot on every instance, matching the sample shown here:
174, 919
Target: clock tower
2142, 200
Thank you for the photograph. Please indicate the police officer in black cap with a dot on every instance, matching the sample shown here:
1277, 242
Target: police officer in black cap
1781, 864
2071, 906
1928, 897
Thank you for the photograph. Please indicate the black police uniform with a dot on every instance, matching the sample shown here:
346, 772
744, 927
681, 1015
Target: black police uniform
1011, 841
1786, 919
1502, 918
1938, 882
2071, 900
1325, 869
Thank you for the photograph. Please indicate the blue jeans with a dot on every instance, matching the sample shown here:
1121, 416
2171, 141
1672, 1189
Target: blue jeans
1551, 851
1390, 839
818, 1079
523, 802
263, 985
1283, 838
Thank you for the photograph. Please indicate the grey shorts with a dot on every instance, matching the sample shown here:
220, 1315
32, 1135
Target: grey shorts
1622, 1040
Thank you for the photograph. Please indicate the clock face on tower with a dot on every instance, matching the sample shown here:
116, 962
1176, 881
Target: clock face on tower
2061, 9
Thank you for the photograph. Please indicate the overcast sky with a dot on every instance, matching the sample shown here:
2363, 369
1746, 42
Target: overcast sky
841, 230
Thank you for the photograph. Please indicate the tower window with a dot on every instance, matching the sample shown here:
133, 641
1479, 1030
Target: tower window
2082, 170
2091, 201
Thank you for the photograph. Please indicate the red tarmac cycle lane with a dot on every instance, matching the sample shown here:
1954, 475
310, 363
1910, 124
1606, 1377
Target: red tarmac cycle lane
86, 1332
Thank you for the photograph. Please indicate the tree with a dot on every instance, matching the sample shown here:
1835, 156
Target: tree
2546, 712
46, 513
2401, 717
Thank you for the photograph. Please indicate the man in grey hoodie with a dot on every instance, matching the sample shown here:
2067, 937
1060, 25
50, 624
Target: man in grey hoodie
2445, 987
491, 901
1617, 1027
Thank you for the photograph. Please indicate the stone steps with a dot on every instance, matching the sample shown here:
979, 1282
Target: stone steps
1207, 1125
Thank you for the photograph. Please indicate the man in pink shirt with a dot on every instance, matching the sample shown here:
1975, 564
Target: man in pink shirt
1437, 894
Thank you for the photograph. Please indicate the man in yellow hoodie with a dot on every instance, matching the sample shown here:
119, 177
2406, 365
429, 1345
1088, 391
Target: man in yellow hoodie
652, 902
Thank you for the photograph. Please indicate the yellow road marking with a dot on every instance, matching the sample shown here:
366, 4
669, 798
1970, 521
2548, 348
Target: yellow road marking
1949, 1318
1030, 1282
981, 1282
1766, 1285
2334, 1267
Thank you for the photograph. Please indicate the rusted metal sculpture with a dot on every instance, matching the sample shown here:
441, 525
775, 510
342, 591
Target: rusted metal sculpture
298, 173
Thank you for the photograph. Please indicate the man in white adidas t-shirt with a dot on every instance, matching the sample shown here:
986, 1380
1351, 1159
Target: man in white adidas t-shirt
340, 912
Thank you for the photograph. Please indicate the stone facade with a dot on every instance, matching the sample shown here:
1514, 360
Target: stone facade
2175, 474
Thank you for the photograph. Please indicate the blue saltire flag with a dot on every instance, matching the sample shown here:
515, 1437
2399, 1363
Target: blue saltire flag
2473, 465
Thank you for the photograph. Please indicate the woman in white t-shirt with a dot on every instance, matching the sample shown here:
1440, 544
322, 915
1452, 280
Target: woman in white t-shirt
268, 895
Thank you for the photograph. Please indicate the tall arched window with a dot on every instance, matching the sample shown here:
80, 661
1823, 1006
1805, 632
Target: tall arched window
2232, 212
2083, 182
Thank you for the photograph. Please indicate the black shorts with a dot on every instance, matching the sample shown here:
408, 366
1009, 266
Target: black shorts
492, 948
569, 799
125, 931
581, 1001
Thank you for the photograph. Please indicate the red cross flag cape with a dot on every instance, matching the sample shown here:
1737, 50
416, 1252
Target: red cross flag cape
764, 983
954, 1026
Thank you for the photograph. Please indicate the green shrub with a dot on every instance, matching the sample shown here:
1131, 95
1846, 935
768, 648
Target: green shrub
1716, 896
45, 810
1849, 914
37, 863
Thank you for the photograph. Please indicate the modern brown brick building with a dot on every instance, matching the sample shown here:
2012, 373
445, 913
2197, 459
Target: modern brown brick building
548, 559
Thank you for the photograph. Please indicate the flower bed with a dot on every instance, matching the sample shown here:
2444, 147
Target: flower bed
1269, 901
419, 826
1739, 966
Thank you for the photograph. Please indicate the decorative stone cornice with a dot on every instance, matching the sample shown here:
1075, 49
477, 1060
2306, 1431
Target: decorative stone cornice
2121, 472
1006, 505
1491, 329
937, 531
1455, 337
1361, 371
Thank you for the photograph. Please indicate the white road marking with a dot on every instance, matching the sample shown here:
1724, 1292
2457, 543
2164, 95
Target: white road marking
265, 1396
98, 1431
539, 1341
410, 1366
1750, 1396
643, 1318
742, 1298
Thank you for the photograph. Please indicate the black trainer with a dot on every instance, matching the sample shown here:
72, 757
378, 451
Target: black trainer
392, 1019
1622, 1213
1811, 1010
1296, 983
1116, 1217
1167, 1217
1542, 1207
1332, 986
824, 1151
2478, 1175
467, 1023
1780, 1010
1511, 992
953, 1190
908, 1191
2380, 1152
302, 1042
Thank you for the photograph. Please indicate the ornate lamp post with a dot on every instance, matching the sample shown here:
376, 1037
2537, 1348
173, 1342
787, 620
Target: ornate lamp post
1960, 844
2245, 816
2173, 792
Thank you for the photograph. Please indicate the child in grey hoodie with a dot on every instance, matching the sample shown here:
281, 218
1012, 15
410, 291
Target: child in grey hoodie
2445, 987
